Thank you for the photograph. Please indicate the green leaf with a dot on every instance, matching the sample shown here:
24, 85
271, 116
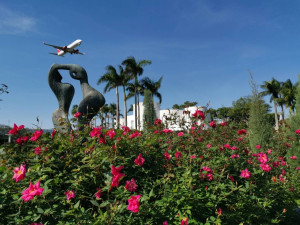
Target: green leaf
95, 203
40, 210
77, 204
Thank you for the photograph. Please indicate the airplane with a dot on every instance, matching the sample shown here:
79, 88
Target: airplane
61, 50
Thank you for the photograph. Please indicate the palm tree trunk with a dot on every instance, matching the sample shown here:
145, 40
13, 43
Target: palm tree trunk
125, 107
276, 116
118, 110
282, 111
139, 122
135, 103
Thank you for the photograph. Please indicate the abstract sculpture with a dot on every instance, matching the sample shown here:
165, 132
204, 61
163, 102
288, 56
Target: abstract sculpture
64, 92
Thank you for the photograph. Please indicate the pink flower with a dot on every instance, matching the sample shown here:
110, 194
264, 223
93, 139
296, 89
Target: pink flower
205, 168
139, 160
198, 114
258, 147
297, 131
53, 133
212, 124
111, 133
19, 173
293, 157
36, 224
135, 134
36, 135
157, 122
265, 167
288, 145
167, 156
117, 176
263, 158
223, 124
193, 156
130, 185
235, 156
156, 132
245, 173
219, 211
243, 131
208, 145
32, 191
96, 132
98, 193
125, 129
234, 148
231, 178
15, 129
269, 151
227, 146
184, 221
209, 176
69, 194
134, 203
22, 140
180, 134
167, 131
102, 140
37, 150
165, 223
78, 114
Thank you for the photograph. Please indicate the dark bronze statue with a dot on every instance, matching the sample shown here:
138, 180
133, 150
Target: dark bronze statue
64, 92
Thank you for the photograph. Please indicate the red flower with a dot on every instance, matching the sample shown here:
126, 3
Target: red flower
265, 167
180, 134
245, 173
288, 145
198, 114
19, 173
53, 133
219, 211
134, 203
178, 155
167, 156
139, 160
165, 223
167, 131
157, 122
32, 191
22, 140
212, 124
223, 124
96, 132
111, 133
117, 175
76, 115
15, 129
293, 157
98, 193
258, 147
297, 131
36, 135
130, 185
243, 131
184, 221
263, 158
135, 134
69, 194
37, 150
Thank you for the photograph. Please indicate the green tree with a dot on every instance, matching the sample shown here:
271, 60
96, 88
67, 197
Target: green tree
105, 110
152, 86
113, 111
272, 88
134, 69
240, 110
260, 130
3, 89
113, 81
295, 125
149, 110
288, 91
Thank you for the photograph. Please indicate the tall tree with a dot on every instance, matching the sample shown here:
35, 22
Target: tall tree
272, 88
134, 69
152, 86
149, 110
113, 80
288, 92
113, 111
105, 110
125, 77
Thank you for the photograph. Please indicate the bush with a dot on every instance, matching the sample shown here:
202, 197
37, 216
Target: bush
195, 175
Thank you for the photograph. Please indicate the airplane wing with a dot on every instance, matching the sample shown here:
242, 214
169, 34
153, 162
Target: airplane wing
55, 54
81, 53
54, 46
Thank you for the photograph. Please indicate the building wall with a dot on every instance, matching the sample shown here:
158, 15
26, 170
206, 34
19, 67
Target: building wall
174, 117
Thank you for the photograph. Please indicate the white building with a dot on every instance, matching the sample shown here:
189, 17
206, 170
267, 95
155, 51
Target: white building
176, 118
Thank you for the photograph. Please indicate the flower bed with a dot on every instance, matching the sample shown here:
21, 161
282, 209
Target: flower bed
195, 176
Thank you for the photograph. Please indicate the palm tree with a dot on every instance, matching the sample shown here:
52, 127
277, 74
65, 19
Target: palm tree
105, 110
153, 87
113, 80
272, 88
124, 81
113, 111
134, 69
136, 89
288, 92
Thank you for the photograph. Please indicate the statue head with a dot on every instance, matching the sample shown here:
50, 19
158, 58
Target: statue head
78, 73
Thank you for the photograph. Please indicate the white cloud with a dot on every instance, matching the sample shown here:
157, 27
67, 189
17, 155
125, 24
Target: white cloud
12, 22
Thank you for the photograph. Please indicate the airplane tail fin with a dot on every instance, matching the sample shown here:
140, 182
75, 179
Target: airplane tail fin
58, 51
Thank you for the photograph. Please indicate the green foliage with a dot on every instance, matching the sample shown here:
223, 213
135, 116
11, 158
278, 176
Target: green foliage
195, 182
260, 129
149, 110
295, 125
184, 105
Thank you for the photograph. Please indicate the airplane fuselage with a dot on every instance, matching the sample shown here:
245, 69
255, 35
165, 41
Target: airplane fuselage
69, 48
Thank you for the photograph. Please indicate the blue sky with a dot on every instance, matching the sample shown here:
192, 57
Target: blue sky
203, 49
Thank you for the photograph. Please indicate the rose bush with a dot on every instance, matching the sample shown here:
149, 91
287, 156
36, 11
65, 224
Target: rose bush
97, 176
